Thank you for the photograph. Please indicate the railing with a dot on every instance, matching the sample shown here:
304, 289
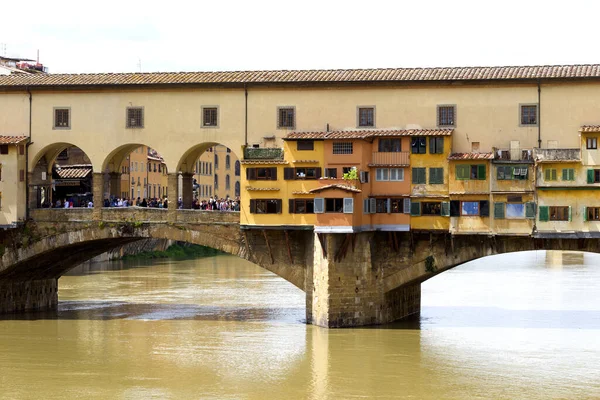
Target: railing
391, 158
513, 154
557, 155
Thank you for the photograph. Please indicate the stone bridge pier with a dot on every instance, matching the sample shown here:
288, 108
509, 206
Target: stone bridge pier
348, 279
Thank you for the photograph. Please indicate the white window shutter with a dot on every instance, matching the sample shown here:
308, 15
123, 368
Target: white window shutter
348, 205
373, 205
389, 206
366, 206
362, 177
407, 205
319, 205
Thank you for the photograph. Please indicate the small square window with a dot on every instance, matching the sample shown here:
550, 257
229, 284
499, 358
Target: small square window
366, 117
135, 117
446, 115
210, 117
286, 118
305, 145
529, 115
4, 149
342, 147
591, 143
62, 118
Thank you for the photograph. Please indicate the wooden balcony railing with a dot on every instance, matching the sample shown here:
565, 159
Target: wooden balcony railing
393, 158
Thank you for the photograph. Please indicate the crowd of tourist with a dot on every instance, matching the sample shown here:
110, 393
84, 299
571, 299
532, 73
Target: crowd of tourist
212, 204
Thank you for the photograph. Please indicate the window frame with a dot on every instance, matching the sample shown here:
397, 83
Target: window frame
335, 200
423, 205
439, 119
594, 211
305, 203
359, 119
417, 181
434, 143
432, 175
128, 120
537, 114
276, 202
391, 147
563, 209
203, 121
591, 143
279, 119
340, 147
54, 119
305, 142
421, 145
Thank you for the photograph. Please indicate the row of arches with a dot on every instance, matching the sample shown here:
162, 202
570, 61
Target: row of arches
134, 172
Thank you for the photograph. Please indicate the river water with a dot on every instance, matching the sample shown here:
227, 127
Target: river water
519, 326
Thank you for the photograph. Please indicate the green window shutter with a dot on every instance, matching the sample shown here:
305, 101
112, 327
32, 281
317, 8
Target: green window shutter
565, 174
445, 208
499, 210
462, 171
509, 172
422, 178
415, 209
547, 174
544, 213
436, 175
440, 145
418, 175
572, 174
585, 213
553, 174
590, 176
431, 145
481, 175
499, 173
570, 214
530, 210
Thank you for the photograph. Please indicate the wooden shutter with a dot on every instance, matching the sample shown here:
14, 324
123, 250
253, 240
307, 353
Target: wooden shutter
288, 174
366, 206
481, 173
530, 210
415, 209
544, 213
499, 210
252, 206
484, 208
279, 204
273, 174
553, 174
362, 177
565, 174
454, 208
318, 173
462, 171
570, 213
585, 216
348, 205
415, 175
590, 176
319, 207
431, 145
291, 205
251, 174
500, 173
406, 206
445, 209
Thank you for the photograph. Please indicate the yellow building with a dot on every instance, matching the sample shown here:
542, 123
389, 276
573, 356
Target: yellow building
217, 173
12, 180
143, 175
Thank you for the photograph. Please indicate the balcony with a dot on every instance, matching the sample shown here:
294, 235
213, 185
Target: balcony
557, 155
400, 159
514, 154
251, 153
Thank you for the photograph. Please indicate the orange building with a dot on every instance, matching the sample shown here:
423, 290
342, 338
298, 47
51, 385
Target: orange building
217, 173
143, 175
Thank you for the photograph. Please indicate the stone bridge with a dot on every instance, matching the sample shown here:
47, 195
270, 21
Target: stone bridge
349, 279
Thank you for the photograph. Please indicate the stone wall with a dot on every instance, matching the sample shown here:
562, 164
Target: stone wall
19, 296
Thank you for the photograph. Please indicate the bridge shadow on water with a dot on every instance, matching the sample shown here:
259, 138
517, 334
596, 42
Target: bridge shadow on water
115, 310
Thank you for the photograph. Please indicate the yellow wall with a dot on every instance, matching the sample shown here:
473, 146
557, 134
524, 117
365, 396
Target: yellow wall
580, 174
591, 156
12, 190
577, 199
514, 226
431, 161
468, 185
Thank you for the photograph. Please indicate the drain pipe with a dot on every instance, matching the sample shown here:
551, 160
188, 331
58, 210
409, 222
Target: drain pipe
539, 108
27, 157
245, 115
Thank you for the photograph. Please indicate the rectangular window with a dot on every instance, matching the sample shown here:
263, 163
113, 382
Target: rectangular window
518, 172
381, 206
396, 174
436, 176
266, 174
331, 173
436, 145
286, 118
342, 148
4, 149
515, 210
431, 208
265, 206
135, 117
560, 213
477, 172
593, 175
301, 173
469, 208
591, 143
382, 174
302, 206
549, 174
334, 205
305, 145
592, 214
418, 145
446, 115
210, 117
61, 118
568, 174
529, 114
418, 176
390, 146
366, 117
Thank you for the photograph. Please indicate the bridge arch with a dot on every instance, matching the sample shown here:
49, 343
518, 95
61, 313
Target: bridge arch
113, 161
186, 163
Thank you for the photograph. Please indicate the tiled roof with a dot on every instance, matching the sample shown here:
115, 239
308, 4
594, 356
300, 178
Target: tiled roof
300, 192
305, 161
335, 186
73, 171
256, 189
263, 162
468, 193
368, 133
590, 129
12, 139
310, 76
471, 156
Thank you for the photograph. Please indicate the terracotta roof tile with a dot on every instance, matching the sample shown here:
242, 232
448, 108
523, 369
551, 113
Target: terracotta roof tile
590, 129
305, 161
471, 156
257, 189
263, 162
336, 186
367, 133
12, 139
304, 76
73, 171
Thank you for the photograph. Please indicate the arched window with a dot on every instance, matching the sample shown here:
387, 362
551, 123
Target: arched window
216, 181
227, 182
227, 162
237, 168
237, 189
216, 161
